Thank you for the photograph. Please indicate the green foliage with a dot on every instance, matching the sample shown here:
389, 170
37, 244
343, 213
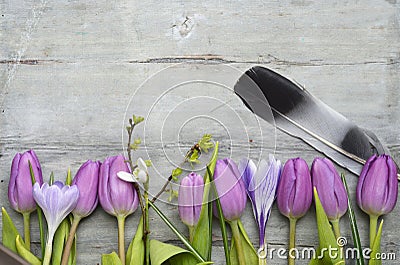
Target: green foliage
201, 237
206, 143
176, 173
376, 248
161, 252
60, 239
25, 253
135, 254
110, 259
327, 239
353, 224
137, 119
250, 253
10, 232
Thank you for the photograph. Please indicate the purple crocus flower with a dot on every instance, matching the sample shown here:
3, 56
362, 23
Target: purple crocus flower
87, 181
116, 196
230, 188
20, 185
56, 201
261, 185
294, 195
377, 186
330, 188
190, 198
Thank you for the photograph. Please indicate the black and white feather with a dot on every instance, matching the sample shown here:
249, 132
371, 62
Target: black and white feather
300, 114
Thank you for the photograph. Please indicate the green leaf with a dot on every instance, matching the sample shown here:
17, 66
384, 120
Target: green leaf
148, 163
353, 224
60, 238
110, 259
161, 252
68, 180
376, 248
201, 237
10, 232
175, 173
135, 254
222, 224
137, 119
327, 239
205, 143
179, 234
250, 253
25, 253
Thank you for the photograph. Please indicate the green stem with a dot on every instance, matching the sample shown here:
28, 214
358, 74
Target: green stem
121, 238
262, 255
238, 242
48, 250
336, 227
27, 232
147, 224
191, 233
71, 236
292, 240
373, 222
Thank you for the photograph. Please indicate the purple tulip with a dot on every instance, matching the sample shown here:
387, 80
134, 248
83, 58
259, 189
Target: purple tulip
377, 186
117, 197
330, 188
294, 195
230, 188
56, 201
20, 185
190, 198
87, 181
261, 185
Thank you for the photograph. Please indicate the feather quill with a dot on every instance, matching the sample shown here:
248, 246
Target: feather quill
296, 112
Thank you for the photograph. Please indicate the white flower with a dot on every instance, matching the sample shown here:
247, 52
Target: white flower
139, 174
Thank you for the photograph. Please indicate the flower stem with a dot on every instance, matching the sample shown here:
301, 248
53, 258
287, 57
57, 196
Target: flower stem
27, 232
292, 240
146, 223
48, 250
373, 222
262, 255
191, 233
121, 238
71, 236
238, 242
336, 228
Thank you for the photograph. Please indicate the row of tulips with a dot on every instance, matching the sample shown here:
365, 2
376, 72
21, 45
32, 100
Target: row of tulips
292, 185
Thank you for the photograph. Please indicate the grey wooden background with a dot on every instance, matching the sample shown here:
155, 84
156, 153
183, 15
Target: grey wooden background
70, 68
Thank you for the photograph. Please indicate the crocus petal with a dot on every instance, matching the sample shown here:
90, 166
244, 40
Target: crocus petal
261, 188
55, 202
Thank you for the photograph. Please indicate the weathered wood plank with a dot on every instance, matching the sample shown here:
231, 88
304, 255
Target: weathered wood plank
68, 70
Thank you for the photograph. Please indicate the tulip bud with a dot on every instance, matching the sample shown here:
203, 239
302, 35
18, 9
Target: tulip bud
87, 181
294, 195
231, 189
190, 198
20, 186
377, 186
117, 197
330, 188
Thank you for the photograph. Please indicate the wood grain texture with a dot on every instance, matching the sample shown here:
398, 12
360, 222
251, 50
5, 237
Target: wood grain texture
69, 69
